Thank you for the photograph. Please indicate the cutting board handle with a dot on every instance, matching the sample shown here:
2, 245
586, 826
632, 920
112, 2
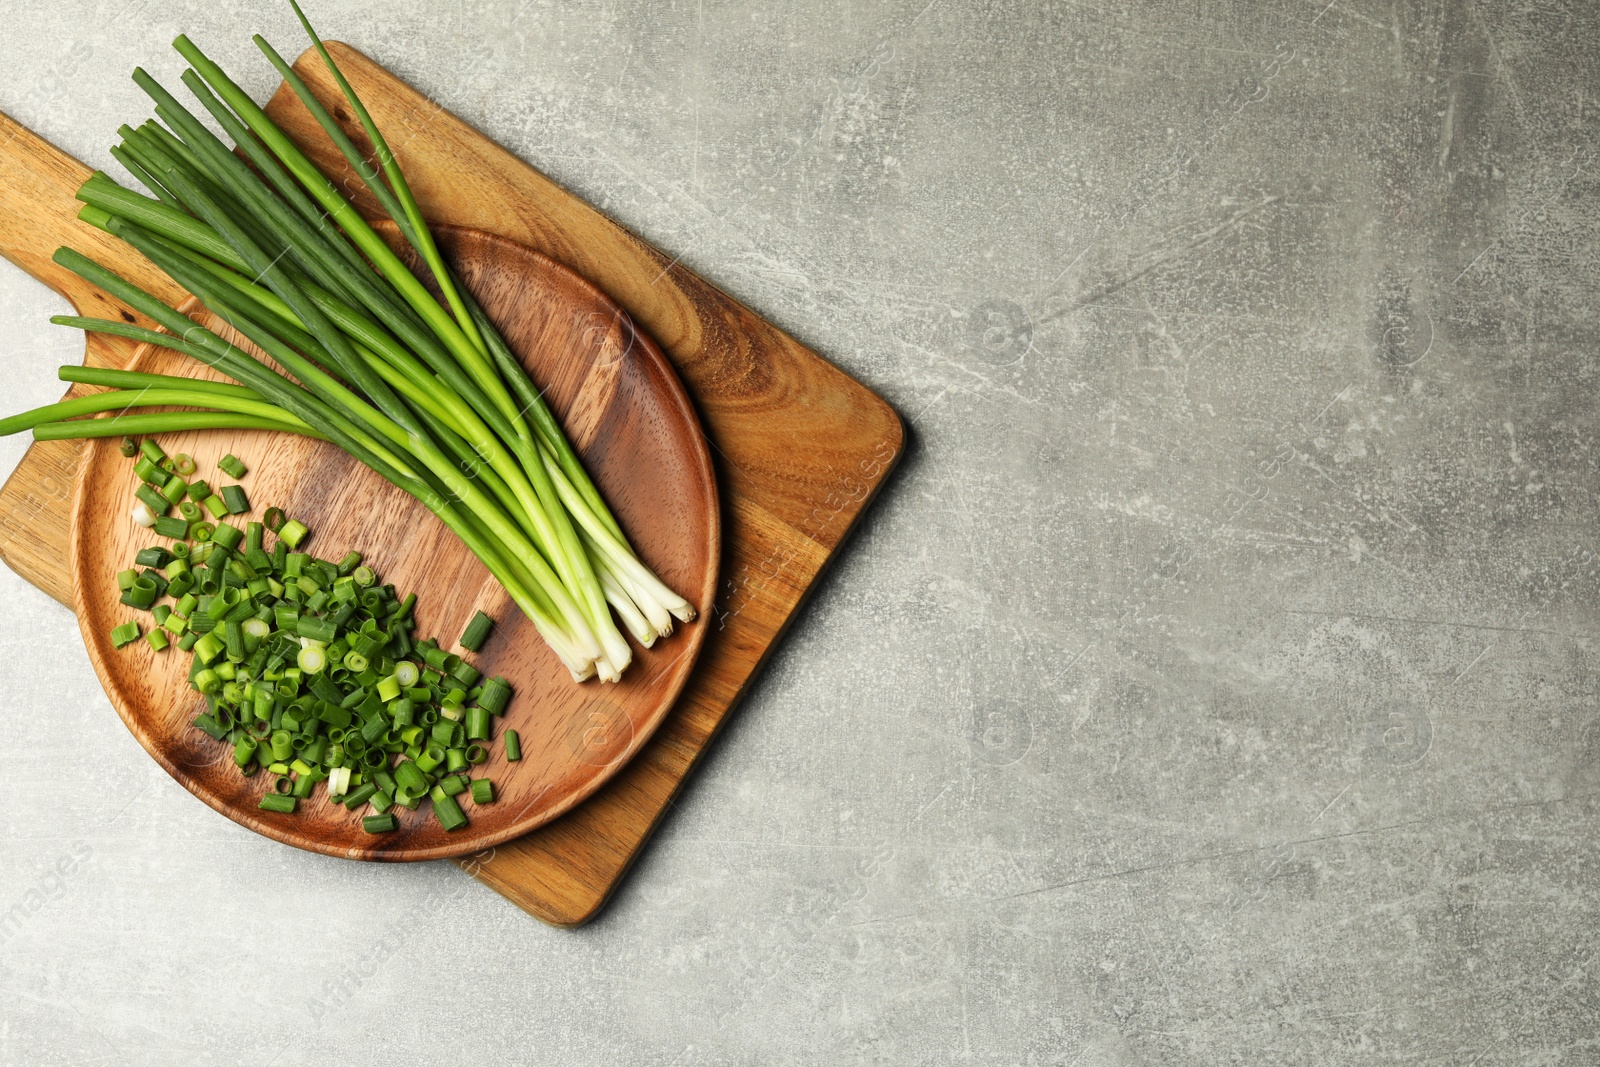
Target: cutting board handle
39, 213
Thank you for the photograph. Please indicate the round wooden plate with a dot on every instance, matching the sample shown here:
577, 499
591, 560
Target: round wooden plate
631, 421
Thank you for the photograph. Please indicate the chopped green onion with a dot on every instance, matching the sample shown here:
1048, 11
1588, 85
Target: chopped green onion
513, 744
154, 556
231, 466
282, 745
125, 634
142, 594
167, 526
175, 490
227, 536
208, 648
476, 632
482, 791
152, 499
495, 696
410, 777
293, 533
447, 811
316, 629
311, 659
359, 795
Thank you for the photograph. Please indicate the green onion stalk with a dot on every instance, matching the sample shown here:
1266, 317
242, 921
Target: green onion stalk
423, 390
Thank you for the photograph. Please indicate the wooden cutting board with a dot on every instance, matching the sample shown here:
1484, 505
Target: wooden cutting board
800, 447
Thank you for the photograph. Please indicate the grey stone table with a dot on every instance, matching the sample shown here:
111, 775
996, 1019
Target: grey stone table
1213, 684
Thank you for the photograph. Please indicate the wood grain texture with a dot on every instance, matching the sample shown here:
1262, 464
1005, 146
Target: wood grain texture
627, 415
800, 449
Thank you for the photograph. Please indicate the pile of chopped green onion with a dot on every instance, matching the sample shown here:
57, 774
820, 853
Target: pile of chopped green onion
423, 391
308, 667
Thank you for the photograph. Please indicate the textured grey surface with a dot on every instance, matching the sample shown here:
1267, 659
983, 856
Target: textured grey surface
1214, 683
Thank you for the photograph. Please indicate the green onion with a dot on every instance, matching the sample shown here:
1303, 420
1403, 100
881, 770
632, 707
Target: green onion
476, 633
125, 634
447, 811
407, 385
227, 536
142, 594
262, 660
482, 791
153, 499
380, 824
154, 556
278, 802
314, 629
495, 696
291, 650
208, 648
293, 533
